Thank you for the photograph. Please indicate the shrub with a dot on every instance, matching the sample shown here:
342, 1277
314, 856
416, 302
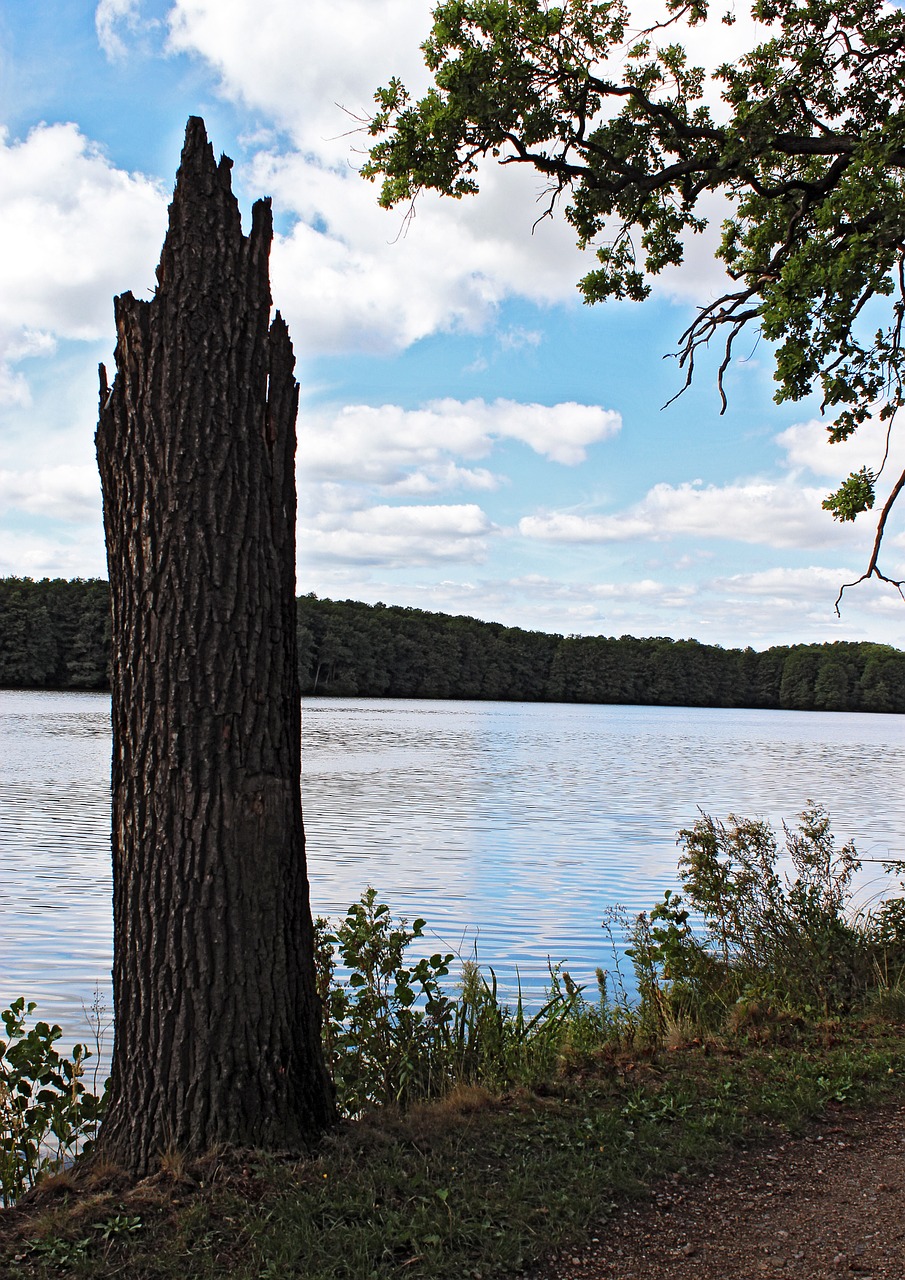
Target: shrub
385, 1021
394, 1033
46, 1114
762, 936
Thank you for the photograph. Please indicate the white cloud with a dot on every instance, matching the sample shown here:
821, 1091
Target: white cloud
765, 513
381, 282
781, 586
304, 68
30, 555
465, 520
302, 60
776, 606
388, 445
445, 476
807, 448
561, 432
396, 537
800, 602
302, 63
567, 527
518, 338
761, 512
701, 276
352, 275
13, 387
67, 492
529, 600
110, 17
76, 231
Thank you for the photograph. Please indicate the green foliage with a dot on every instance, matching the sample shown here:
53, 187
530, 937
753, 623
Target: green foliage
854, 495
765, 940
385, 1021
58, 1251
742, 945
395, 1034
495, 1175
54, 634
46, 1114
673, 971
348, 649
398, 652
471, 1187
807, 150
496, 1046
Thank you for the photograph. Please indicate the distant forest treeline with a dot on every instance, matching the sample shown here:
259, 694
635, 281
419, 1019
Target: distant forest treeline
55, 634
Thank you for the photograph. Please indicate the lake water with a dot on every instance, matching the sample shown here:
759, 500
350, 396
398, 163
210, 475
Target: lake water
509, 826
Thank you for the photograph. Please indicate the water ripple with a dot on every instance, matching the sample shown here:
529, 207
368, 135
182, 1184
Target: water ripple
510, 827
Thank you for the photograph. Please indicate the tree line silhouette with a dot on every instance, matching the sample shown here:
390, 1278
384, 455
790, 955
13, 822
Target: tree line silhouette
55, 634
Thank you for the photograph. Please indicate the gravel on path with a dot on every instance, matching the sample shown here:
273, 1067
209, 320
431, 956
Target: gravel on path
822, 1207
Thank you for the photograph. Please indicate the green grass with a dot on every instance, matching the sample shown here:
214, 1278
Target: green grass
473, 1186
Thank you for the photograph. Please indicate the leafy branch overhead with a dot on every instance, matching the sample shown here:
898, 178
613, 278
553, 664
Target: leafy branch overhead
807, 146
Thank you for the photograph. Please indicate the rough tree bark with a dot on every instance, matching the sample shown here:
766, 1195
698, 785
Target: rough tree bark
217, 1021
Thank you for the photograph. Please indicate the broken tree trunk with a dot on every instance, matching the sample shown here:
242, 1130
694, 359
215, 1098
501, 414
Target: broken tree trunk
217, 1020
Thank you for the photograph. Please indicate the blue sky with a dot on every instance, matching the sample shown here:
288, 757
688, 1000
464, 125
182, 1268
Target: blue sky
471, 437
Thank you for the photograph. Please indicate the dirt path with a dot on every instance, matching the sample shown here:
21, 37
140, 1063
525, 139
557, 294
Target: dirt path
825, 1206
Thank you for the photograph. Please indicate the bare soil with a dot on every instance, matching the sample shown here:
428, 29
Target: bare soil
820, 1207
